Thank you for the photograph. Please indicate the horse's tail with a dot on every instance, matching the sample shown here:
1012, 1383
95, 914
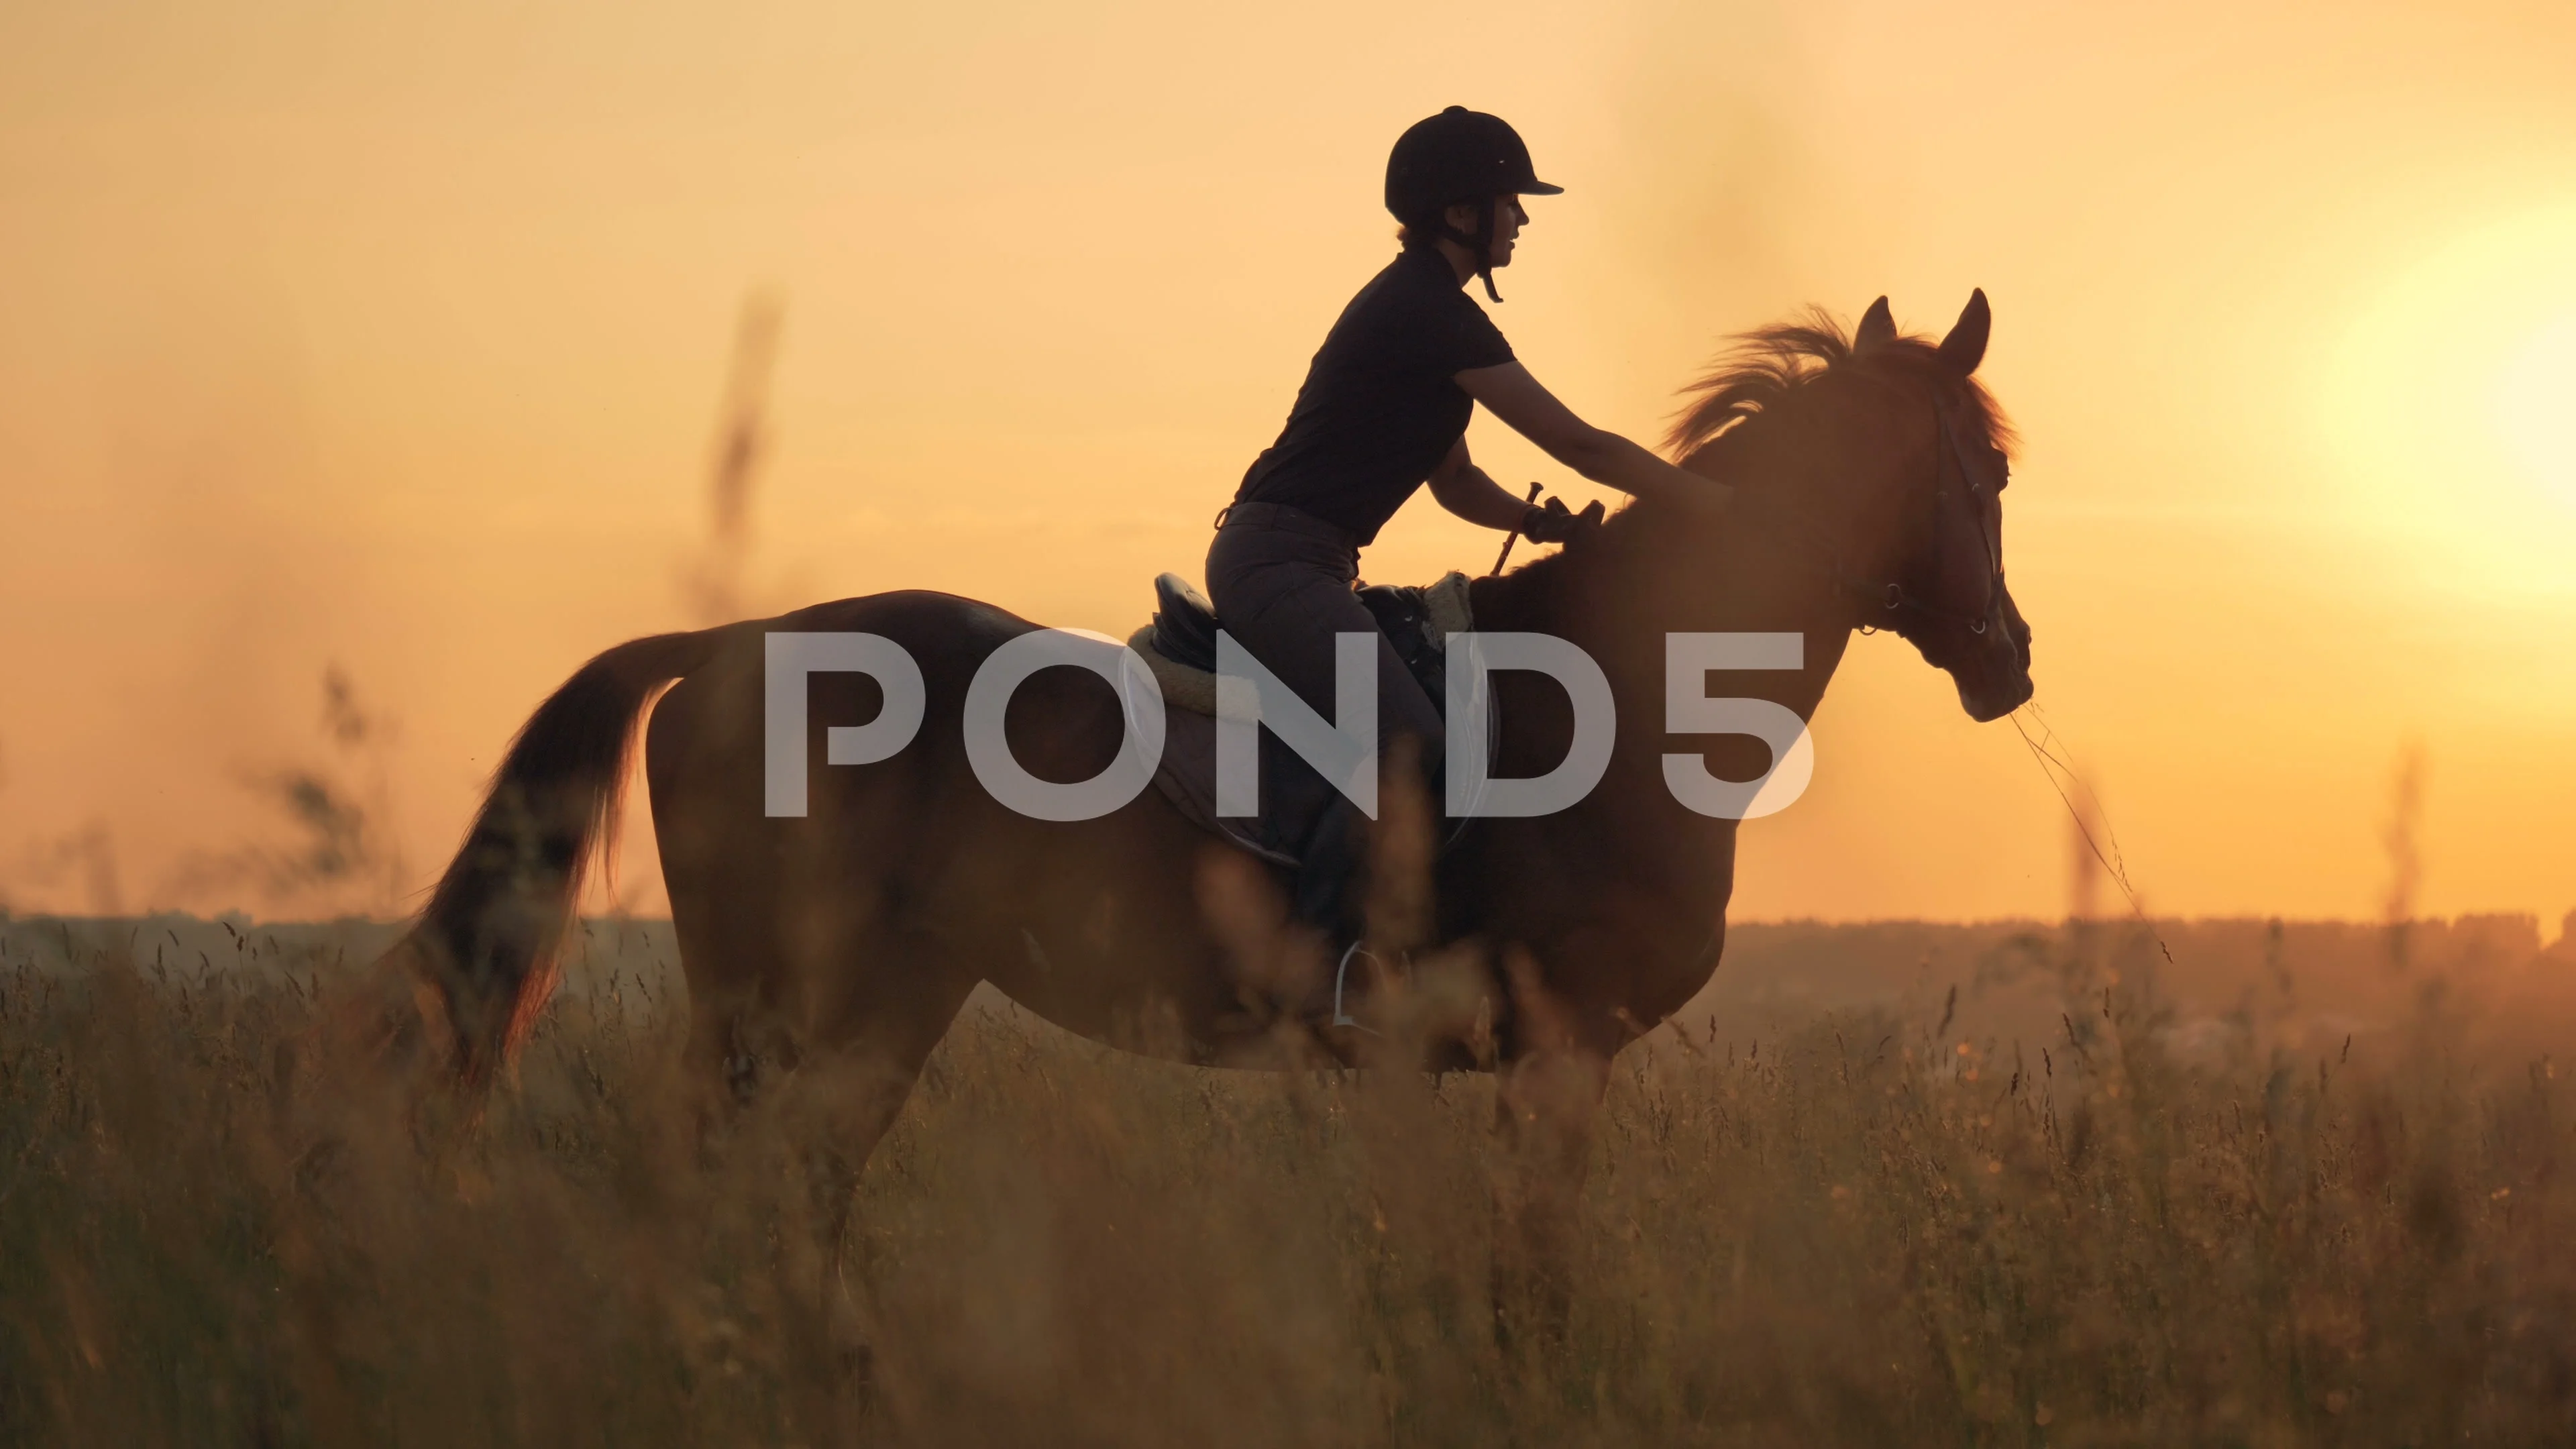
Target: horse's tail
484, 953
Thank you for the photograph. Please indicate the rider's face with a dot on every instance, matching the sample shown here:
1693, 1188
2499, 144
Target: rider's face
1509, 218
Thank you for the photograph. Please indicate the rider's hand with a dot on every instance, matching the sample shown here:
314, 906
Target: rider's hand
1556, 524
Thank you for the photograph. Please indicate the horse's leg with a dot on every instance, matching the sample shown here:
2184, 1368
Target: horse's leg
876, 1021
1545, 1114
816, 1012
811, 989
1548, 1096
724, 913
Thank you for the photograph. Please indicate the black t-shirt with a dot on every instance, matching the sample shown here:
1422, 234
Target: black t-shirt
1379, 408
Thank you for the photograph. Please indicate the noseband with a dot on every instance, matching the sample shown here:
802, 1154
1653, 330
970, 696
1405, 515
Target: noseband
1881, 601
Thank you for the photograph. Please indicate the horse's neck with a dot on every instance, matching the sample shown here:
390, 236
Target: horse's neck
1619, 595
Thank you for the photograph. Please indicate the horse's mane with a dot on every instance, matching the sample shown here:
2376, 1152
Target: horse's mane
1769, 366
1760, 375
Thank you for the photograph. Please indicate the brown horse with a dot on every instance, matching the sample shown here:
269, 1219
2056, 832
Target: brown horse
1866, 473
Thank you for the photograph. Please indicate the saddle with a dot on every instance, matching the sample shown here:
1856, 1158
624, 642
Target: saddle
1179, 646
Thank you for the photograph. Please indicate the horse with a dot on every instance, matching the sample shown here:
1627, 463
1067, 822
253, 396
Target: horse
1866, 475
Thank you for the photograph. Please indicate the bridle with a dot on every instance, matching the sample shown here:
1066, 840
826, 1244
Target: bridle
1881, 601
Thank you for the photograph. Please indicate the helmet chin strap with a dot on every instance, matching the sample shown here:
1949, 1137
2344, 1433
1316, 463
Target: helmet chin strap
1481, 243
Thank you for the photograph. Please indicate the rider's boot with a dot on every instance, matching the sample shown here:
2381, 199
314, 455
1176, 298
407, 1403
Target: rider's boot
1327, 894
1330, 894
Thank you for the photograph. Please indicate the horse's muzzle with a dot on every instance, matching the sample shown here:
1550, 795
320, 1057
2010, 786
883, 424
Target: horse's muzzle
1993, 671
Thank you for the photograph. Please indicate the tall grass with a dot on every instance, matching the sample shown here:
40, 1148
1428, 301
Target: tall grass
1872, 1230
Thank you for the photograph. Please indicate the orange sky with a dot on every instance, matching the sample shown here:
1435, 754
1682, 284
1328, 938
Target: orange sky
392, 336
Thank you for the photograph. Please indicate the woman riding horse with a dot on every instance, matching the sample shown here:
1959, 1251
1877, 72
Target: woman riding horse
1383, 410
1862, 475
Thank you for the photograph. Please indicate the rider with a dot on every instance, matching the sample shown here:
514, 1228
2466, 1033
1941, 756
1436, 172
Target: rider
1384, 409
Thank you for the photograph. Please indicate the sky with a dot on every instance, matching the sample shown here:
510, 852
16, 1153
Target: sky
390, 339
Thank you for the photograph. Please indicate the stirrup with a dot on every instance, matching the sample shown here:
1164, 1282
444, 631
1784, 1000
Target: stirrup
1341, 973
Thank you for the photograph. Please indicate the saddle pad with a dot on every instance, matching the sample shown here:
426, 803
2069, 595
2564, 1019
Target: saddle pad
1445, 612
1293, 795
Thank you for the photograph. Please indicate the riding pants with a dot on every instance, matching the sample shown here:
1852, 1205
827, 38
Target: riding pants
1281, 582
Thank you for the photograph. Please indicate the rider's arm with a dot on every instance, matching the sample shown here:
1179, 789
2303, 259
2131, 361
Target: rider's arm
1468, 491
1510, 393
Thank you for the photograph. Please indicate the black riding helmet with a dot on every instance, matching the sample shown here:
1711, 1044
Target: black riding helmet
1460, 155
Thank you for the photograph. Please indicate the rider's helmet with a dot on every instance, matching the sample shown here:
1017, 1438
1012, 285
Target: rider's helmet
1459, 155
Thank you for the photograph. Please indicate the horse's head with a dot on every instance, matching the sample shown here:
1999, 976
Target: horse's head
1943, 571
1883, 463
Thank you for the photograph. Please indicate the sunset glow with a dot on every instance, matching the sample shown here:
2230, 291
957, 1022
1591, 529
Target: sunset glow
399, 346
2536, 407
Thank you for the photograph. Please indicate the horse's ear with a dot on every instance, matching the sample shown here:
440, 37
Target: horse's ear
1877, 326
1965, 347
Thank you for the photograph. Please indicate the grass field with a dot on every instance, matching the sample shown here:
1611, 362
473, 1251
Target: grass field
1871, 1214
